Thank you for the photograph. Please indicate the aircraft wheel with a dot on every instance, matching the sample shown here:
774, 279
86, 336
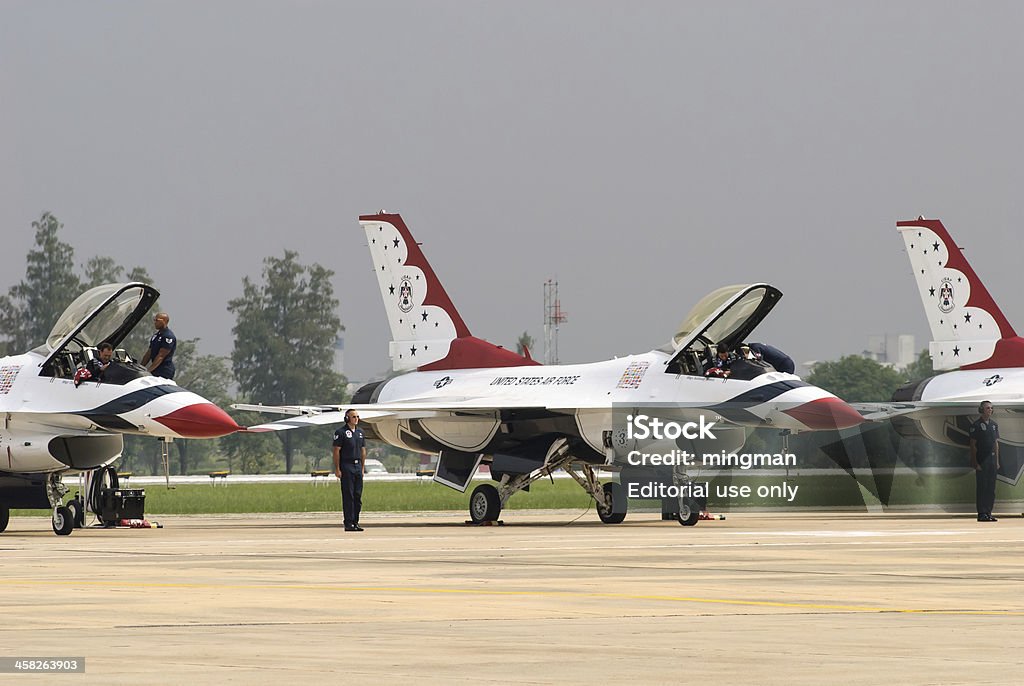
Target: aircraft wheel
77, 512
617, 512
63, 522
5, 518
689, 513
484, 504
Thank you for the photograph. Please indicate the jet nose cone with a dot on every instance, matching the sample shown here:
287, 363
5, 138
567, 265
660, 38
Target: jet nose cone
201, 420
826, 414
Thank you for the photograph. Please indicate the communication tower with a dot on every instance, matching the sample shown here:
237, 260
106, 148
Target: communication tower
554, 315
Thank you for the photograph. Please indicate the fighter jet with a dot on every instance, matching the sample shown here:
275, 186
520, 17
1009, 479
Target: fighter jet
973, 343
56, 418
472, 402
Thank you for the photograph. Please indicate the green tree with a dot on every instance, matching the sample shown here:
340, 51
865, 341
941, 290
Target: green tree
100, 270
137, 341
210, 377
250, 453
856, 379
285, 329
31, 307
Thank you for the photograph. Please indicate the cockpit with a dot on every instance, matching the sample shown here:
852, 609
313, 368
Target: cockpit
724, 317
106, 313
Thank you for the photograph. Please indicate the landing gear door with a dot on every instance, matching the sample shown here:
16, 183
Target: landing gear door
455, 468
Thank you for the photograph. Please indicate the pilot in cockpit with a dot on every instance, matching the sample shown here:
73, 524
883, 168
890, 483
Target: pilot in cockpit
98, 366
721, 362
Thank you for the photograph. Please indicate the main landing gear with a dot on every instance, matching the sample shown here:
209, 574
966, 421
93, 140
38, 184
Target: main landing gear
613, 509
689, 507
688, 515
487, 500
484, 504
610, 497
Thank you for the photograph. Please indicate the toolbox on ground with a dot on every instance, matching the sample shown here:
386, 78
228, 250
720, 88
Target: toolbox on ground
122, 503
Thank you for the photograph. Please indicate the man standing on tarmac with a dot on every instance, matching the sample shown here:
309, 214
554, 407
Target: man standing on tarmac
984, 435
349, 464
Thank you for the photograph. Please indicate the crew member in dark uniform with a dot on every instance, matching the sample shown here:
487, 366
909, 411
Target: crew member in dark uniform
984, 435
773, 356
349, 465
159, 359
98, 366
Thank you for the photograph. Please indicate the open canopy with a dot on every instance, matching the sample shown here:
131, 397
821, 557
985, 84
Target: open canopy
727, 315
105, 313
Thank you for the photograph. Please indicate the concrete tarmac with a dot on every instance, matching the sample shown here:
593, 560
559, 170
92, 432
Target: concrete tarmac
762, 599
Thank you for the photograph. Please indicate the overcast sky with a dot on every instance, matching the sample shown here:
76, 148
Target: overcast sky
642, 153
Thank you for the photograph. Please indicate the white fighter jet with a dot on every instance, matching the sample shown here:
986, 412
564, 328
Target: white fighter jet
472, 402
972, 336
56, 420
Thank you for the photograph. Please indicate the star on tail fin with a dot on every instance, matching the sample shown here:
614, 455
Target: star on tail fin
427, 332
969, 330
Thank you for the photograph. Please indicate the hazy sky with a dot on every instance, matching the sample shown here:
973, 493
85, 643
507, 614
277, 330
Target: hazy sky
643, 153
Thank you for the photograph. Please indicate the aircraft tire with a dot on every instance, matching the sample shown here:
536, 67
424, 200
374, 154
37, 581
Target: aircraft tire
689, 513
77, 513
617, 513
5, 518
63, 522
484, 504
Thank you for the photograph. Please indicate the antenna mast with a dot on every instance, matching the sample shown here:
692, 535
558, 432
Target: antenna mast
553, 316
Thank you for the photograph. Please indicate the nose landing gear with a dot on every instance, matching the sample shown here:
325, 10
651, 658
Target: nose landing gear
63, 520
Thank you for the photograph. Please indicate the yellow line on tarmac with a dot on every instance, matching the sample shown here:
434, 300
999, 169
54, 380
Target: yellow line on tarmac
121, 584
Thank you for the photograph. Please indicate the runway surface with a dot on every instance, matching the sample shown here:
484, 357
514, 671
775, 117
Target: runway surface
761, 599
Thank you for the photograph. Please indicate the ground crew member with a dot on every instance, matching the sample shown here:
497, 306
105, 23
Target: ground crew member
984, 435
159, 359
349, 466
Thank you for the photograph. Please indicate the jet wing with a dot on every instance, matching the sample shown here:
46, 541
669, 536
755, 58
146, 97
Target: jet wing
438, 408
880, 412
432, 408
316, 415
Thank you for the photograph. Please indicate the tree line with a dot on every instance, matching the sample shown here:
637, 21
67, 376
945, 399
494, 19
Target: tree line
858, 379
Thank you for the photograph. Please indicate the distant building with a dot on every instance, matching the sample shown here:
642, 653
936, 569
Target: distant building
896, 351
339, 355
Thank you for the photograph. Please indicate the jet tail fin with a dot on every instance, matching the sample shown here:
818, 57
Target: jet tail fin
969, 331
427, 332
